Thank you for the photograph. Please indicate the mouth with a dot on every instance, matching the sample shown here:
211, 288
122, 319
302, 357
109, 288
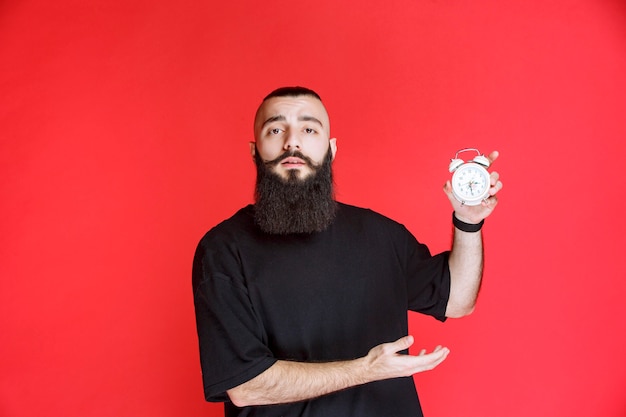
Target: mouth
292, 162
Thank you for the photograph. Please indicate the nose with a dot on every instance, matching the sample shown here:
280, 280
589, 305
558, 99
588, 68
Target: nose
292, 140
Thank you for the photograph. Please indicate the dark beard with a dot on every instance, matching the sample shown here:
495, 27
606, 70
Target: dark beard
294, 205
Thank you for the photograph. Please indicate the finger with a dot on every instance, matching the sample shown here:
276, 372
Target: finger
402, 343
440, 350
440, 356
495, 189
494, 177
490, 202
493, 156
431, 360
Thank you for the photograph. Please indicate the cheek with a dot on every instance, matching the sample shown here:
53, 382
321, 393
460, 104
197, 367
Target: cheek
320, 151
268, 151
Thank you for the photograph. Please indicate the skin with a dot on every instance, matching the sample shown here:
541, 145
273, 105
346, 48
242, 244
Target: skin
302, 123
466, 257
289, 124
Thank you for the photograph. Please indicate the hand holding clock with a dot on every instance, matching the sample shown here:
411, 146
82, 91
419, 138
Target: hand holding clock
470, 182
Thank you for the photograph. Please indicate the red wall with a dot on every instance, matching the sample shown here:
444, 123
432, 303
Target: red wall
123, 138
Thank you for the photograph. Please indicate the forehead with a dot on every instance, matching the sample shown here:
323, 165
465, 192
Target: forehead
292, 109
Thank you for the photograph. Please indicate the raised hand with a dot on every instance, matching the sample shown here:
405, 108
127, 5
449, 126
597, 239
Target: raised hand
475, 214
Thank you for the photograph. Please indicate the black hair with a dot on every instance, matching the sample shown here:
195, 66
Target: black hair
292, 92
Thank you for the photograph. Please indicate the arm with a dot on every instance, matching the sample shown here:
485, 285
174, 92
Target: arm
466, 268
466, 257
287, 381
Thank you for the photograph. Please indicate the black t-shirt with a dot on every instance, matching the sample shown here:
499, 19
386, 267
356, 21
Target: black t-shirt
313, 297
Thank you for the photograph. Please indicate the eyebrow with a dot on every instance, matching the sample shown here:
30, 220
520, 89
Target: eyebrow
281, 118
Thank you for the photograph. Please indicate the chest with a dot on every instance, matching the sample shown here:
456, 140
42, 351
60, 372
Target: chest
324, 295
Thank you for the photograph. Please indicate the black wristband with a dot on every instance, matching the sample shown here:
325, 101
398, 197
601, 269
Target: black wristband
466, 227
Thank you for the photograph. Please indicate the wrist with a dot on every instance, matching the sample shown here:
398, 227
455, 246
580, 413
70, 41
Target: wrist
466, 227
360, 371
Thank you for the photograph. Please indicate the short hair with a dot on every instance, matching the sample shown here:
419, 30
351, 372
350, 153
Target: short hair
295, 91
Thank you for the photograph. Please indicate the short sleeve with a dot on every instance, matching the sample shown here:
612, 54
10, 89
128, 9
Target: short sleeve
232, 341
428, 280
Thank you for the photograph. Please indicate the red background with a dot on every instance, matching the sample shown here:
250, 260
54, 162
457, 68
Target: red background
123, 138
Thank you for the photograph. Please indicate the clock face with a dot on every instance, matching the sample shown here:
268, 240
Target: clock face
470, 183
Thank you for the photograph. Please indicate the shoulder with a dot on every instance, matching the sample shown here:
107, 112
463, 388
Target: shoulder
366, 216
225, 237
240, 222
371, 226
218, 250
364, 221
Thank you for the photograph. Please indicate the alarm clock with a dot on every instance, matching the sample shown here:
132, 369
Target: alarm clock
470, 181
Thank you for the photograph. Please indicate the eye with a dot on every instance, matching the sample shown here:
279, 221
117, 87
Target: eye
274, 131
309, 130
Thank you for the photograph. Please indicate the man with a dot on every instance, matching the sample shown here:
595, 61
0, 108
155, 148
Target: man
301, 301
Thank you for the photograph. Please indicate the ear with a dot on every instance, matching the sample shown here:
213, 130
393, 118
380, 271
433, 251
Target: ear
252, 149
333, 146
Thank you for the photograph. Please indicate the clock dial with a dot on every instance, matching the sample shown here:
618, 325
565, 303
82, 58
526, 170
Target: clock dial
470, 183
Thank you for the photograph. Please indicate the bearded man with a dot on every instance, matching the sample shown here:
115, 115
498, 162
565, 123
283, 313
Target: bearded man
301, 301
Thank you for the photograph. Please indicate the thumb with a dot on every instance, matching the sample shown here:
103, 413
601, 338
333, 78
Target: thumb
403, 343
447, 188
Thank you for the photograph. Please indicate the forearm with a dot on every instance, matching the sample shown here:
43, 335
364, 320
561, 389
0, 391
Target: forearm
466, 268
287, 381
466, 258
